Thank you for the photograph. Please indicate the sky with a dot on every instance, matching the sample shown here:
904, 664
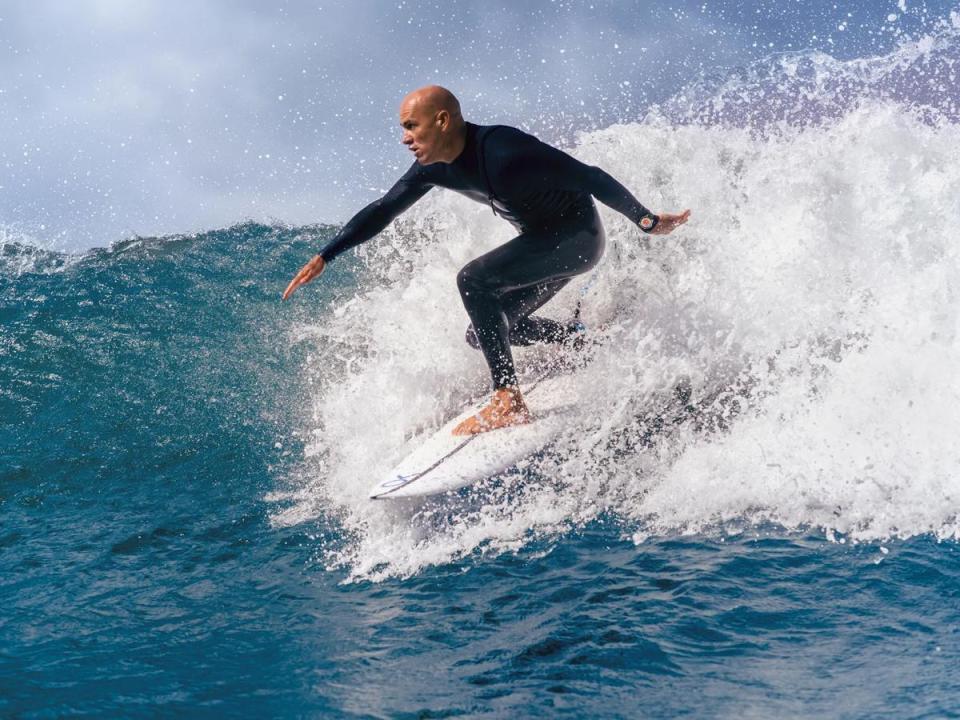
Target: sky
156, 117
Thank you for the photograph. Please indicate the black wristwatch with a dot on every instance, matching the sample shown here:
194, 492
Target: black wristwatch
648, 222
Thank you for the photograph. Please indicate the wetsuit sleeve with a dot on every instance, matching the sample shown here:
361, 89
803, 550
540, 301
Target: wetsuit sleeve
550, 167
378, 214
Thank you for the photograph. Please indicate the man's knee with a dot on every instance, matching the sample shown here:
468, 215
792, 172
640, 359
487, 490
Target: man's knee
474, 279
466, 279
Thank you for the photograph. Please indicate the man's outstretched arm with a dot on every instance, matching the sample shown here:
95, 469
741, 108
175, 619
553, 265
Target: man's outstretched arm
548, 166
364, 225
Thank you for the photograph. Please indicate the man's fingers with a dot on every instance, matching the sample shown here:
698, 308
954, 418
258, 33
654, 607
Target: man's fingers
669, 222
294, 284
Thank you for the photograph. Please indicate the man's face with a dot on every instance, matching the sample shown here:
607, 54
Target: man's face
421, 131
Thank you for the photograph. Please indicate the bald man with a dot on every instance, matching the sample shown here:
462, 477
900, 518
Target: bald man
543, 192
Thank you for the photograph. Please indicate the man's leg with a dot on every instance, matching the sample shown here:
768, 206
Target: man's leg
535, 262
527, 329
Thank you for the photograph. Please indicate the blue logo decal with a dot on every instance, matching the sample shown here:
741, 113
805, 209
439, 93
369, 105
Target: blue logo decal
398, 481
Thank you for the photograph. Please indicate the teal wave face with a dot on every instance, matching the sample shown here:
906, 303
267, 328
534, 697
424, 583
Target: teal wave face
148, 351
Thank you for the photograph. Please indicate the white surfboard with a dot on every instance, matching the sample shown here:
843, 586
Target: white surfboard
445, 462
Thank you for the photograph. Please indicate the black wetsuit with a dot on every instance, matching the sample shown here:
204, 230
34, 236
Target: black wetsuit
545, 194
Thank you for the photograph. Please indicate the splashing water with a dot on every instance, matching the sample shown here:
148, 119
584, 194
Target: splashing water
809, 304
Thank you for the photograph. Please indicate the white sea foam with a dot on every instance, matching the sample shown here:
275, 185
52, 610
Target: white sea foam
815, 285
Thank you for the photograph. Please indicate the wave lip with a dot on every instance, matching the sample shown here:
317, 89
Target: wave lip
804, 88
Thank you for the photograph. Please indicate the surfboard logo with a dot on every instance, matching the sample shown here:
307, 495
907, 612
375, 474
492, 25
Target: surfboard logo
399, 481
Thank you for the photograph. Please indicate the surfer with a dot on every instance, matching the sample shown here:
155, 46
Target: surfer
540, 190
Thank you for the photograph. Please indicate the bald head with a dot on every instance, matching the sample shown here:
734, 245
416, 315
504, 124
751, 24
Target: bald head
433, 125
434, 99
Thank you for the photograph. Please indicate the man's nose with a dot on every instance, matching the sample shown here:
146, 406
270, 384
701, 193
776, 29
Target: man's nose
407, 138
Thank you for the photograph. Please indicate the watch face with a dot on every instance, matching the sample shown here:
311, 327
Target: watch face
646, 223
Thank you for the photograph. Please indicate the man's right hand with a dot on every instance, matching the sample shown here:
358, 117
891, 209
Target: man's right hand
307, 273
669, 222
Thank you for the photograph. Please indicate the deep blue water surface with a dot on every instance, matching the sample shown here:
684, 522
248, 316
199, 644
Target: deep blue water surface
148, 397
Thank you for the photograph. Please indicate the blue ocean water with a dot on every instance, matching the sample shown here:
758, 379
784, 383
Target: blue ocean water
184, 526
149, 395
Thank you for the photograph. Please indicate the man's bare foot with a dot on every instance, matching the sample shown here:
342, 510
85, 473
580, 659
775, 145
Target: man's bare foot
506, 408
